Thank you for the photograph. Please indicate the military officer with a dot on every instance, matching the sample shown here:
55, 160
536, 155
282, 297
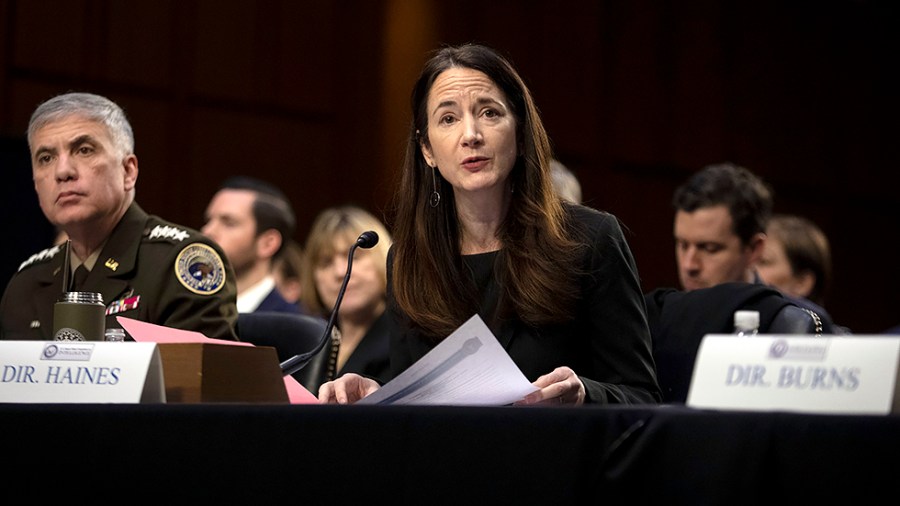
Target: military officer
146, 268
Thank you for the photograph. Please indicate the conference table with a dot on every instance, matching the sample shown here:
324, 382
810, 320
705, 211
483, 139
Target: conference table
263, 453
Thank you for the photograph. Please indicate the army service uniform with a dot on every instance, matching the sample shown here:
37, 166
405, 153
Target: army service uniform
149, 270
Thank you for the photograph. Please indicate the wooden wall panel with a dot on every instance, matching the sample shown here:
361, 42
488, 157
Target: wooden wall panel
141, 45
293, 155
61, 43
635, 96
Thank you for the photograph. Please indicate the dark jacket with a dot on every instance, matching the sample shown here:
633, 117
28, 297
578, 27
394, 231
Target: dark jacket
276, 302
149, 269
608, 343
371, 356
679, 320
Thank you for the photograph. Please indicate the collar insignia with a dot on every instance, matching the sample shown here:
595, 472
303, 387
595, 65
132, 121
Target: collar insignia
42, 255
167, 232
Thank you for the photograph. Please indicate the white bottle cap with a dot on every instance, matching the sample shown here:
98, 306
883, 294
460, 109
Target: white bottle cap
747, 320
115, 334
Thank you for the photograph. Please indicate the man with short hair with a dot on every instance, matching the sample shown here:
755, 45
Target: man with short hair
252, 221
721, 215
146, 268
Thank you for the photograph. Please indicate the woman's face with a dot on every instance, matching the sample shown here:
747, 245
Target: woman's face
471, 131
365, 291
775, 269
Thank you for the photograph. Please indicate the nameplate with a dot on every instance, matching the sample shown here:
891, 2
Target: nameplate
830, 375
80, 372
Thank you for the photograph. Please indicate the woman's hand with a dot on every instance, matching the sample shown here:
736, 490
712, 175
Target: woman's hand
347, 389
561, 386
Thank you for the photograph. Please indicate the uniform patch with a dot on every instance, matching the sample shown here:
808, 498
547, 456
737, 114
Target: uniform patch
200, 269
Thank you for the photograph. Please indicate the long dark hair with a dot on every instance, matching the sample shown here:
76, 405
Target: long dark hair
536, 266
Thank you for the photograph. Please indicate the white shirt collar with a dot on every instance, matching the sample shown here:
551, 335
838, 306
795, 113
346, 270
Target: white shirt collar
251, 298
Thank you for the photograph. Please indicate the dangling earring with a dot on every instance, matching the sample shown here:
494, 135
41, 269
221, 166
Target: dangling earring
435, 195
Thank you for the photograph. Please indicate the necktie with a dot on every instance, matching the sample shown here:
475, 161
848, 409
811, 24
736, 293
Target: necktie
81, 274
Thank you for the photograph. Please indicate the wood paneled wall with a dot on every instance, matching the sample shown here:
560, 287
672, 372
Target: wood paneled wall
635, 95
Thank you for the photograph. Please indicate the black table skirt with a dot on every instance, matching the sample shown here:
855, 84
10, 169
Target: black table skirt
311, 454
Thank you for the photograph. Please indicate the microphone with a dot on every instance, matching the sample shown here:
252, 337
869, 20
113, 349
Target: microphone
365, 241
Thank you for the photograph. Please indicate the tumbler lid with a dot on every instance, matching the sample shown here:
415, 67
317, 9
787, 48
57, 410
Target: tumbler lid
82, 297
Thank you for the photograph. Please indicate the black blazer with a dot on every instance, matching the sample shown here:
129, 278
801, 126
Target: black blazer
276, 302
679, 320
608, 344
371, 356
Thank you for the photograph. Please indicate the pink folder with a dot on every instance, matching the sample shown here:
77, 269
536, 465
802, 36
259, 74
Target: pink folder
152, 333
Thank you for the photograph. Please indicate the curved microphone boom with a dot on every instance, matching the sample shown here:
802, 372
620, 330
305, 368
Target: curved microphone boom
365, 241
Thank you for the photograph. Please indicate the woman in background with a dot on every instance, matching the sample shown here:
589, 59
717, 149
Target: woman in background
796, 259
361, 319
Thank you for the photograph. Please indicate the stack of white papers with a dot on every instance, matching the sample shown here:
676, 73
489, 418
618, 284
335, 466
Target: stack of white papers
468, 368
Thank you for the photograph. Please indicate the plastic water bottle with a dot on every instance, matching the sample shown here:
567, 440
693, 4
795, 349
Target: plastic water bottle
746, 323
116, 335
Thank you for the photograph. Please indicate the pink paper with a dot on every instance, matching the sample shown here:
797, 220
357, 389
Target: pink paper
297, 393
152, 333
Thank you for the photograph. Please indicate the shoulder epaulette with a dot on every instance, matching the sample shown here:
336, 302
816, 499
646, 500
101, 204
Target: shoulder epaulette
41, 256
168, 232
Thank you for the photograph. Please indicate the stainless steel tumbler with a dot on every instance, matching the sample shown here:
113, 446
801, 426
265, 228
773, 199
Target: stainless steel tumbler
79, 316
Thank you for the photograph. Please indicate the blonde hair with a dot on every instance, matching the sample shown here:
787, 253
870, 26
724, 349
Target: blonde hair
331, 227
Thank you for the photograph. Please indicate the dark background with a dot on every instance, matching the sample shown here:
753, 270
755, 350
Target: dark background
635, 95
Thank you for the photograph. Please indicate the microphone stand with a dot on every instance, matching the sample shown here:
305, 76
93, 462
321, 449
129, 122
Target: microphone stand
67, 269
290, 366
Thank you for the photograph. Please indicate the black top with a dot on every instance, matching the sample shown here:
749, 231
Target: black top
371, 358
607, 344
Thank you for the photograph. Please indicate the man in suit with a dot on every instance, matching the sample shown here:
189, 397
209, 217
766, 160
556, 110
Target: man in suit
146, 268
721, 215
252, 221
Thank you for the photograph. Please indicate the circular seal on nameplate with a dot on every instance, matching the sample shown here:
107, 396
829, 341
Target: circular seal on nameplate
68, 334
778, 349
200, 269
